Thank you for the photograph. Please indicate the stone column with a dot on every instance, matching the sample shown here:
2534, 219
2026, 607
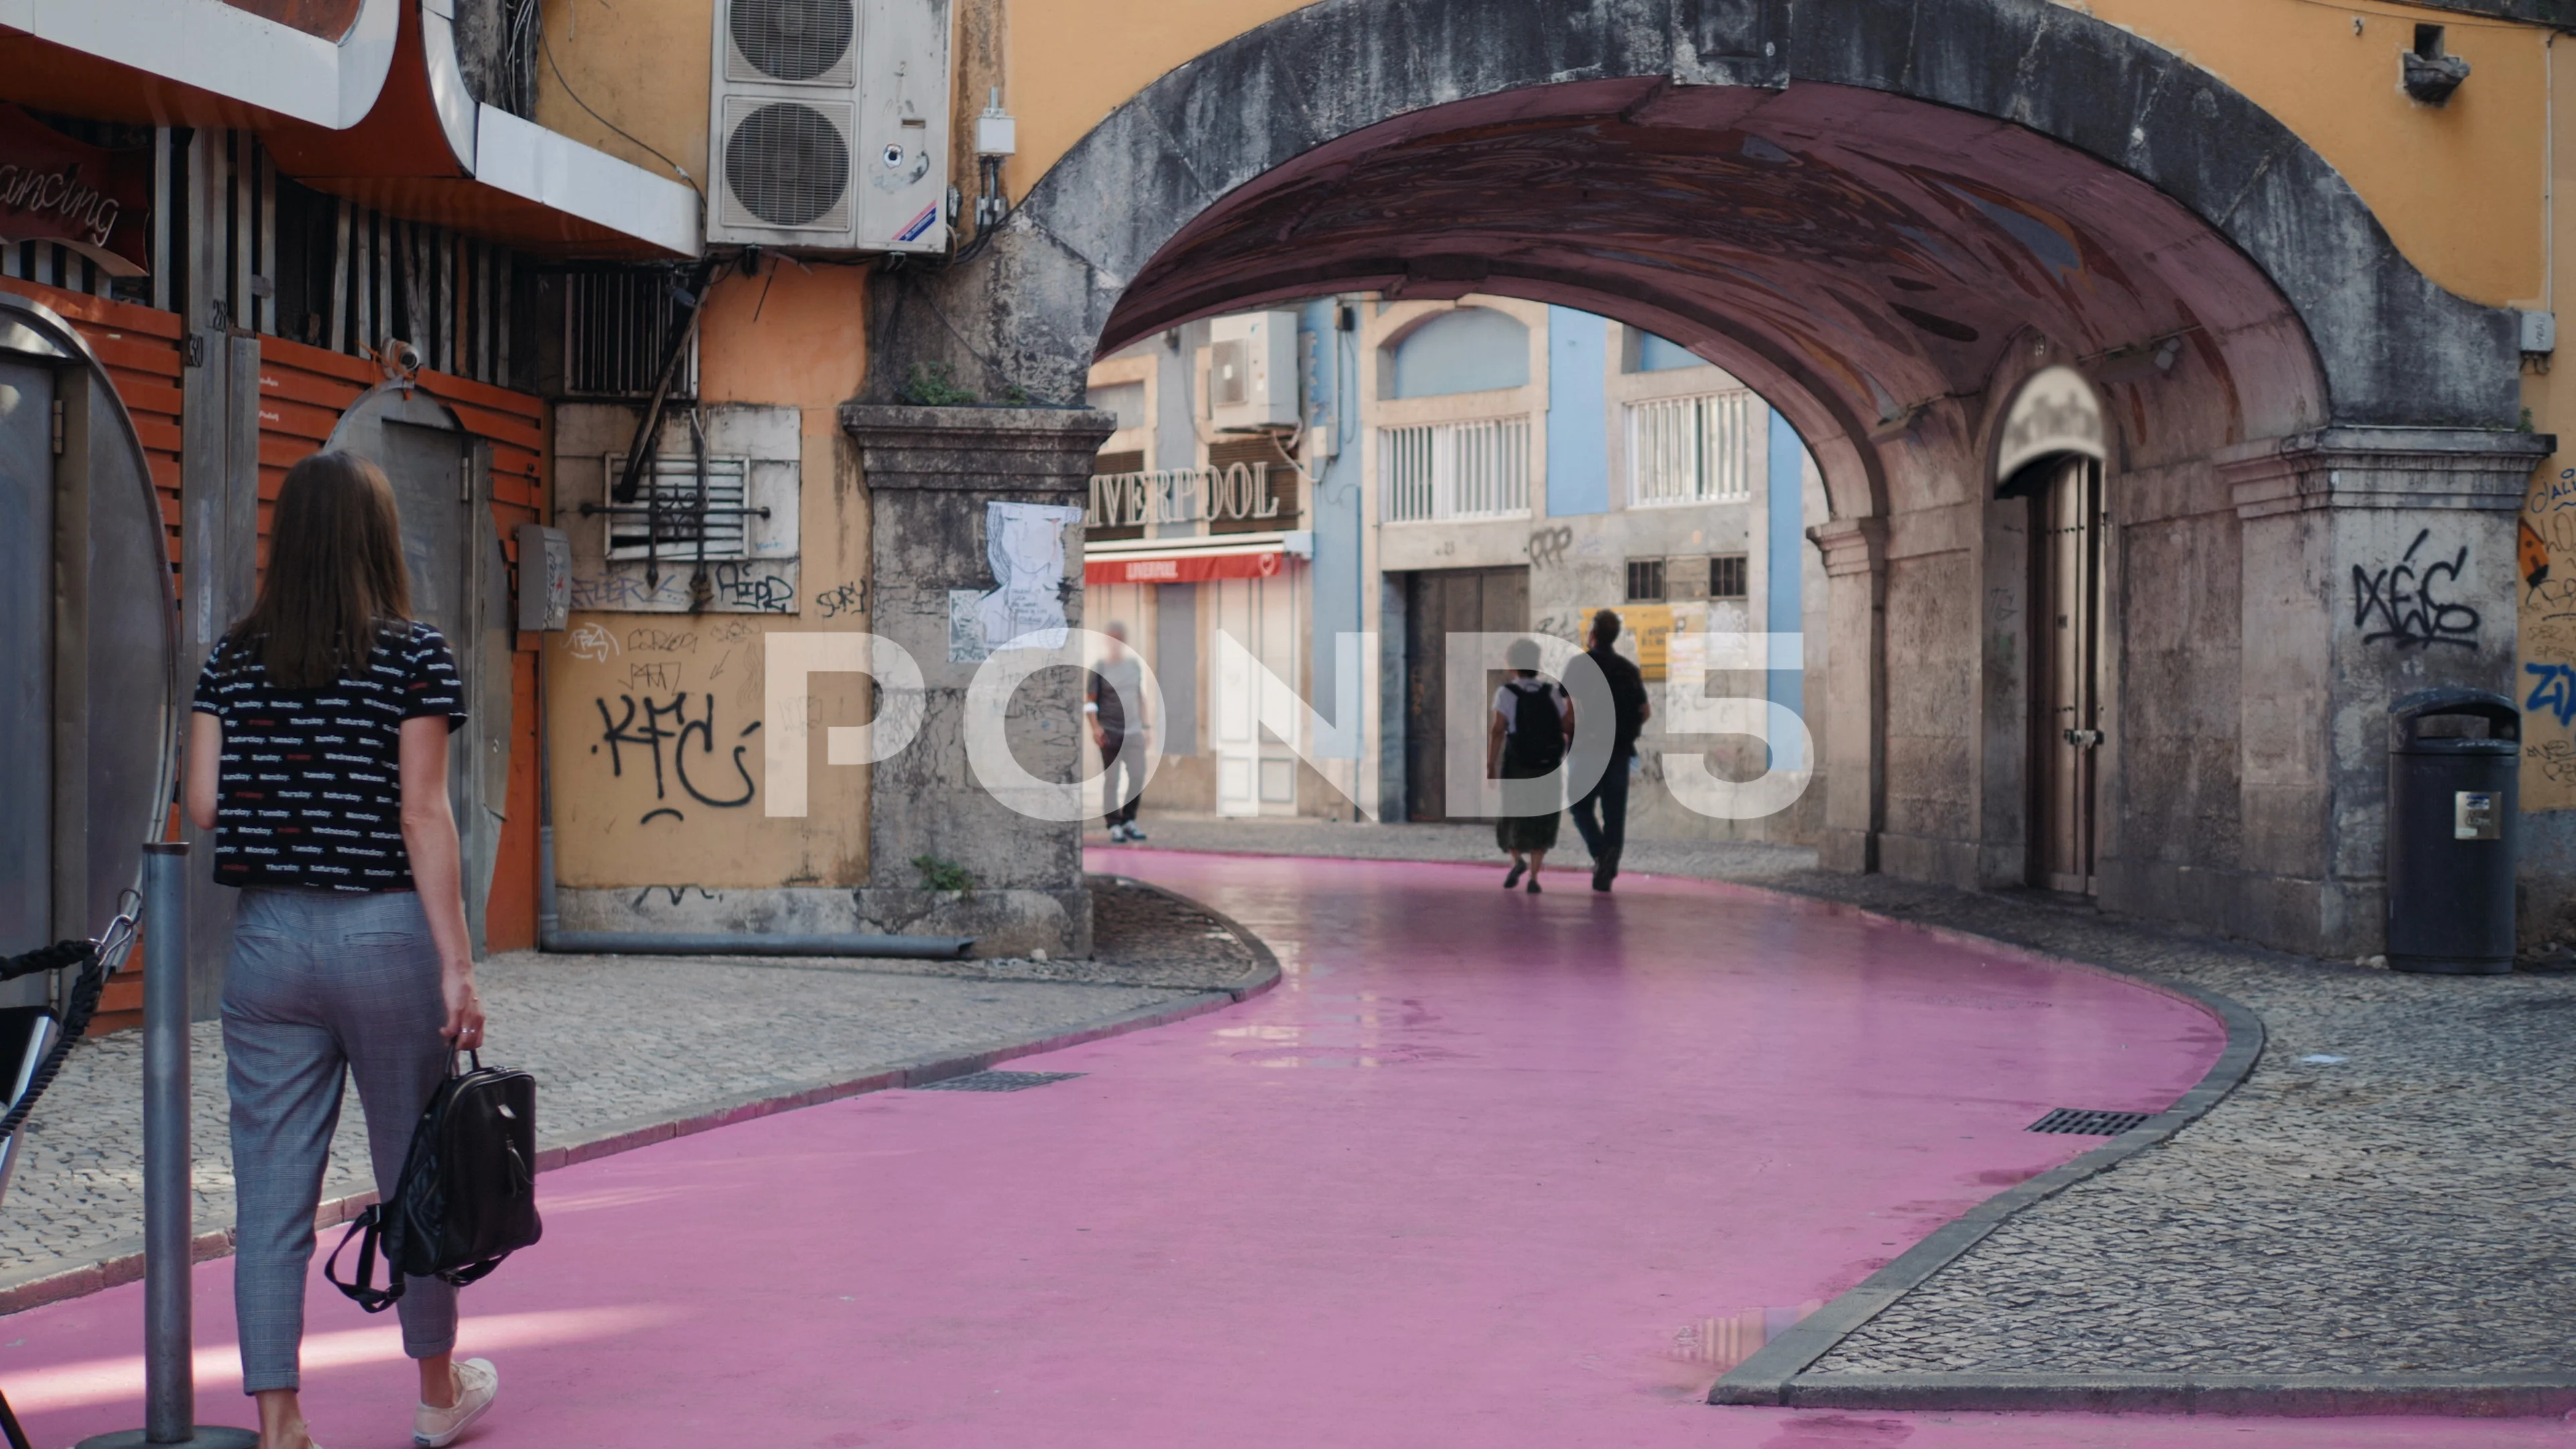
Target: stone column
1855, 703
2377, 561
930, 471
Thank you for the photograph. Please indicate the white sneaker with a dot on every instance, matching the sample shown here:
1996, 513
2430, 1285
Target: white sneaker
1135, 836
476, 1384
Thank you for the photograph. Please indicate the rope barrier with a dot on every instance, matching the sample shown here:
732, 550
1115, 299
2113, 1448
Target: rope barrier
97, 961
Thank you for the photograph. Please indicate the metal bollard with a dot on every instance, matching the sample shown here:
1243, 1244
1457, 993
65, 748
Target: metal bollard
169, 1340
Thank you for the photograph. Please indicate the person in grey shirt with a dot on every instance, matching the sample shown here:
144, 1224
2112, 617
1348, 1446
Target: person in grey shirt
1116, 704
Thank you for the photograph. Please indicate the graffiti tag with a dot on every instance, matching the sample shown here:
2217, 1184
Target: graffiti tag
847, 598
669, 724
590, 641
661, 641
2404, 604
762, 593
2556, 691
1547, 546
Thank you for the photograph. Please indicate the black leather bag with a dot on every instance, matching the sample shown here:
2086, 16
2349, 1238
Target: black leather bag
467, 1197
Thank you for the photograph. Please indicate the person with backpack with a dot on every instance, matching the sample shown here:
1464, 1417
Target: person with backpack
317, 754
1533, 721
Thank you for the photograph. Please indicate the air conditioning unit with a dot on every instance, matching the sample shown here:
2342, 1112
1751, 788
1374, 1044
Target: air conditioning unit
829, 125
1252, 371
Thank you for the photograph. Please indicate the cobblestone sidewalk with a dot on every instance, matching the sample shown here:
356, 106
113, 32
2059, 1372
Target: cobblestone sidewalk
2387, 1193
617, 1042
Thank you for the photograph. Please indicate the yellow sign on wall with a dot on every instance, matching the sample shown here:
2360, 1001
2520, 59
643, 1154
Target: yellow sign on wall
1645, 635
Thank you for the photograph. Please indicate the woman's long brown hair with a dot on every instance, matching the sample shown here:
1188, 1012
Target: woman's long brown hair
335, 578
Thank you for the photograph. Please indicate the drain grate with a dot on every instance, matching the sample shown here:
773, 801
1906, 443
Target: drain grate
2088, 1124
996, 1081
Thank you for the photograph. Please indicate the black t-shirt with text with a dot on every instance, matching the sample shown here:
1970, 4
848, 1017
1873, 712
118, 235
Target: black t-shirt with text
309, 793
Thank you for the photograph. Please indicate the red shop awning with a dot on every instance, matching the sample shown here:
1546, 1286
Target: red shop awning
1187, 566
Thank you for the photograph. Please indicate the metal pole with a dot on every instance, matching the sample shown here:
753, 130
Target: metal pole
169, 1340
169, 1378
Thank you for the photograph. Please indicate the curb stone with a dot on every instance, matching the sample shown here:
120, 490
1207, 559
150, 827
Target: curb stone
2306, 1395
1776, 1374
1771, 1374
38, 1284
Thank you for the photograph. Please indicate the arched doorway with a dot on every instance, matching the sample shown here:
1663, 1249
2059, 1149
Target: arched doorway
1863, 219
2051, 454
442, 478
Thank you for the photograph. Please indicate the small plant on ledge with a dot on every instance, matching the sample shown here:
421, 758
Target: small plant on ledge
934, 385
944, 875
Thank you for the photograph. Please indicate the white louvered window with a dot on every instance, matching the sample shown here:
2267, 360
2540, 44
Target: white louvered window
1456, 470
1691, 449
666, 518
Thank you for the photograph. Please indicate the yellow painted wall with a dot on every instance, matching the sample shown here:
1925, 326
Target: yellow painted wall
790, 336
640, 64
2458, 186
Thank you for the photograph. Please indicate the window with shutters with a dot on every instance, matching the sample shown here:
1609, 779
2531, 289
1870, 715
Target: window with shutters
1442, 471
1690, 449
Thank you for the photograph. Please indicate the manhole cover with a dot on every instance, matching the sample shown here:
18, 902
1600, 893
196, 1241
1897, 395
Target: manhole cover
996, 1081
2088, 1124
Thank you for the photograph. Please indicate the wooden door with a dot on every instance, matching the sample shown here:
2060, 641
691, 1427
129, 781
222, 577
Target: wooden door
442, 481
1439, 603
2066, 660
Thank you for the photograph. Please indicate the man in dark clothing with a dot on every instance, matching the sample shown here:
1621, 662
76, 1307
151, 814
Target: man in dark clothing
1116, 679
1630, 709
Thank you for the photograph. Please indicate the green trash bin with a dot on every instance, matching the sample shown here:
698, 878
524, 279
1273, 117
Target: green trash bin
2453, 758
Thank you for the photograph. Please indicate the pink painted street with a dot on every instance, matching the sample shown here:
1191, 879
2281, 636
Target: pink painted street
1484, 1169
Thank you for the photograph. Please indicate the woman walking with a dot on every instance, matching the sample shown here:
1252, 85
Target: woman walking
318, 756
1533, 721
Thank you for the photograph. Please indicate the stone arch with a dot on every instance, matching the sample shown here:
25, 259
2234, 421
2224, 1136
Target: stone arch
1876, 223
2390, 346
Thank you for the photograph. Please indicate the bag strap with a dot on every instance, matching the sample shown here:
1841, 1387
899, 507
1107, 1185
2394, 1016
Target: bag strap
472, 1272
366, 1228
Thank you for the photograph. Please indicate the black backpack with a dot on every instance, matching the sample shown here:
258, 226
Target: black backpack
467, 1197
1536, 743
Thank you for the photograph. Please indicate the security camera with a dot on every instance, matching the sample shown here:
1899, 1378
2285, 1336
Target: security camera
399, 355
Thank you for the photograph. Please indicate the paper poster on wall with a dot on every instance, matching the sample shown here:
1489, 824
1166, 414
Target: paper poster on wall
1024, 542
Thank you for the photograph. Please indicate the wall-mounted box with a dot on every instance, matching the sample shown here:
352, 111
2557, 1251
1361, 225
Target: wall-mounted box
545, 578
1252, 371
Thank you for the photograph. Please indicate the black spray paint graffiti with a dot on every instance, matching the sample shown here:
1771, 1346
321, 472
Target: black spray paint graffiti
2405, 605
1547, 546
671, 722
741, 587
848, 598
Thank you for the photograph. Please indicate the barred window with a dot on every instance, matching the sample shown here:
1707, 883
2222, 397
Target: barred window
1456, 470
1690, 449
1726, 576
1645, 580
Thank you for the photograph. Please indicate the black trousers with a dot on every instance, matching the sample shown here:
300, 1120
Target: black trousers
1119, 775
1601, 817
